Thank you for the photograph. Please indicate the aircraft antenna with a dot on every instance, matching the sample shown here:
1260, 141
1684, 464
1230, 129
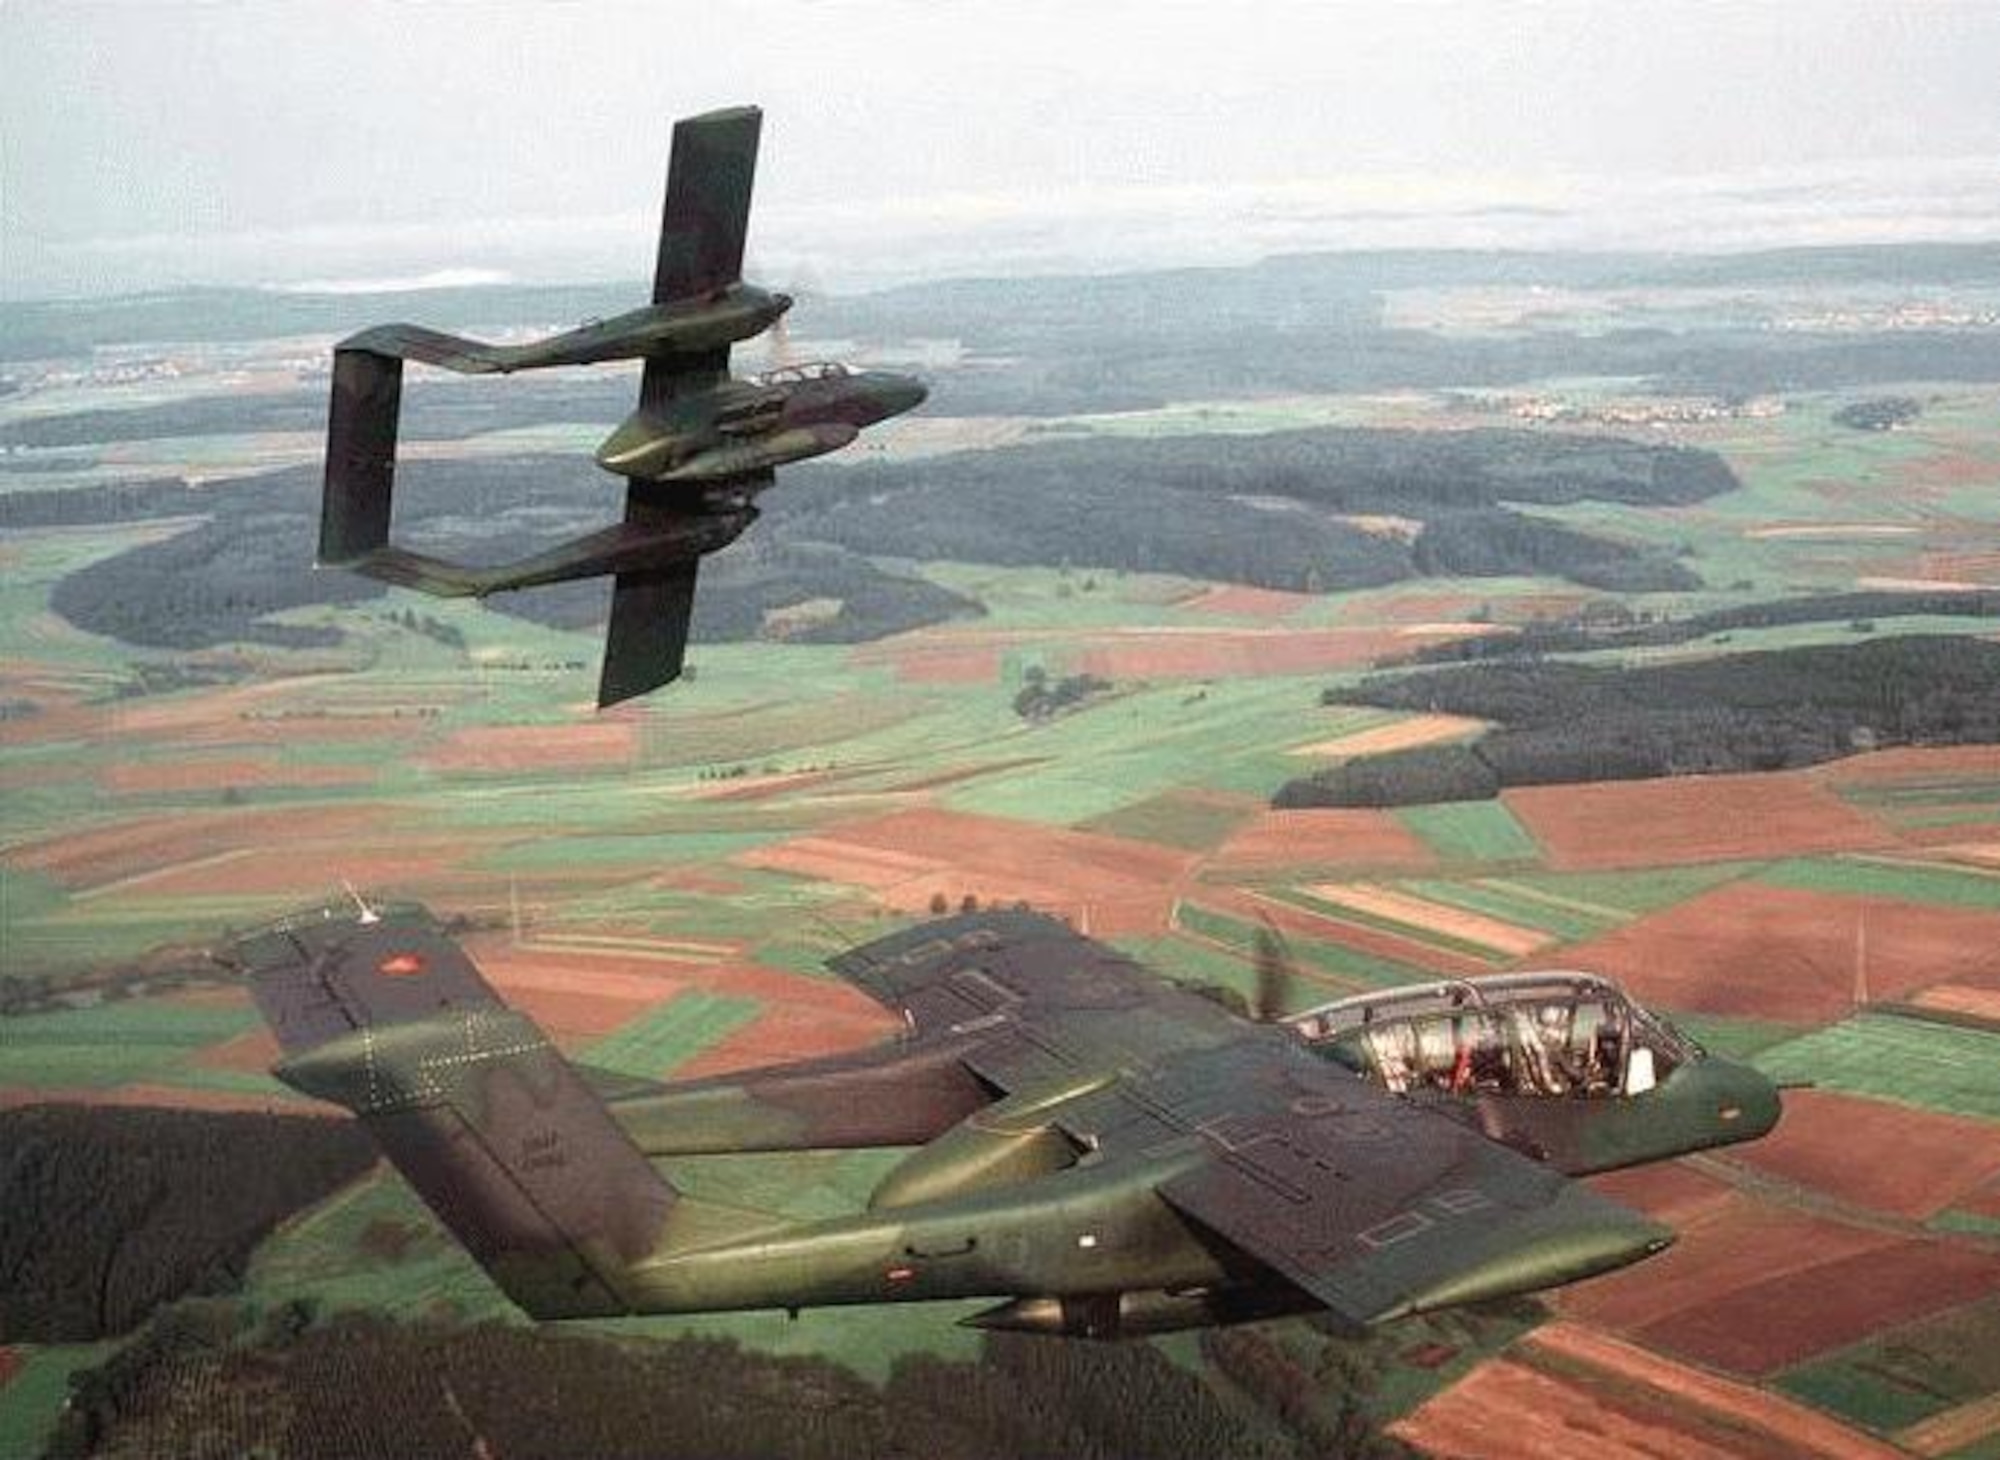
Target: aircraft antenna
1860, 957
367, 913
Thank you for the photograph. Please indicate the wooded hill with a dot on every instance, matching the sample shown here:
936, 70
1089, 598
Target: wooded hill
1561, 722
1266, 510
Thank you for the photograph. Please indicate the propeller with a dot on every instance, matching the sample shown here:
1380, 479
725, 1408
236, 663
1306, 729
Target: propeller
783, 357
1277, 974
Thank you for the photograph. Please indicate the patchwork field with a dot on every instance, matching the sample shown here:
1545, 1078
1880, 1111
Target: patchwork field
659, 885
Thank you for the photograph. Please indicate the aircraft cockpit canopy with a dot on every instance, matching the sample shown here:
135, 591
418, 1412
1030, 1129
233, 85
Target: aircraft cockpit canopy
1568, 1035
804, 374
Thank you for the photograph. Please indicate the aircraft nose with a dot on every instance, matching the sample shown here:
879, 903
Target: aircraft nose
904, 393
1747, 1101
633, 448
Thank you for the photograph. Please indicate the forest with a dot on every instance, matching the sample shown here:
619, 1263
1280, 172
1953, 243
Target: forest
1614, 626
112, 1211
296, 1387
1558, 722
1148, 505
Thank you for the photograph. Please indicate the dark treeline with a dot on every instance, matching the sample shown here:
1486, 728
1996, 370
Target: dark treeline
1564, 722
1884, 414
111, 1212
1155, 505
1498, 543
433, 410
251, 553
196, 1385
1160, 504
1614, 627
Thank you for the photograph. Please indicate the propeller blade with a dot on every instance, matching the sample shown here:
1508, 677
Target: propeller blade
1277, 975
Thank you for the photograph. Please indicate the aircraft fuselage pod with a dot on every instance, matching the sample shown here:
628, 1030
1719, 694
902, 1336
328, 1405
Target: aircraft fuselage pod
754, 424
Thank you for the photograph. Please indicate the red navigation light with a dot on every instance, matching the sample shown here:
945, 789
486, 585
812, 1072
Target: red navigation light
401, 965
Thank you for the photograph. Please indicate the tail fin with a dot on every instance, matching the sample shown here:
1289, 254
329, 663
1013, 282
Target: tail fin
382, 1013
360, 454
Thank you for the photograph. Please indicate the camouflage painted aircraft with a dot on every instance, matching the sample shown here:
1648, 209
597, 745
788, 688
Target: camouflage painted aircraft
1100, 1150
695, 454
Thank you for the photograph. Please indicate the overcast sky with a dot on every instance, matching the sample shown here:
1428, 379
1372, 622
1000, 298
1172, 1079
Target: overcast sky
289, 140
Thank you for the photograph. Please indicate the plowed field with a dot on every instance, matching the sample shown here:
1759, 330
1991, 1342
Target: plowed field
1107, 884
1752, 1289
1664, 823
1793, 956
1886, 1157
1332, 838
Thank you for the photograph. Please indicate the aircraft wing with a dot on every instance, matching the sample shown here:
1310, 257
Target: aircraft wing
1015, 962
1375, 1206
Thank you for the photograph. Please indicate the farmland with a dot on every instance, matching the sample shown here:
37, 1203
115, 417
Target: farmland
657, 885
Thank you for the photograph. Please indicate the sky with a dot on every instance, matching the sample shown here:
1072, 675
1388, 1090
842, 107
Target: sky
359, 144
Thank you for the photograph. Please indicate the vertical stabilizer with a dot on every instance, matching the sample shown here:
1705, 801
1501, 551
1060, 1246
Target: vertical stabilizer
468, 1099
360, 455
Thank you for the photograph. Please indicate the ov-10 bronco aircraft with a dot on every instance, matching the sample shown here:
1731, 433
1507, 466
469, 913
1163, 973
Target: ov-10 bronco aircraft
697, 451
1100, 1151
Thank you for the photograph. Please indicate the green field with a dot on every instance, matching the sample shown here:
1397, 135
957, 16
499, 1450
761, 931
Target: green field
1879, 877
1470, 831
1512, 902
1918, 1371
652, 1044
140, 1040
1191, 823
1917, 1062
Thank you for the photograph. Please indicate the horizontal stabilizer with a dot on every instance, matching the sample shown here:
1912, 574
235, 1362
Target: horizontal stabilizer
680, 330
624, 548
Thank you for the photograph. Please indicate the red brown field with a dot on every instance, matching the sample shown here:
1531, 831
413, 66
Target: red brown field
592, 745
936, 658
219, 773
1221, 654
1752, 1289
1915, 763
1434, 917
1980, 568
1108, 884
580, 994
1885, 1157
1664, 823
1570, 1391
1398, 735
1787, 955
789, 1032
1329, 928
1980, 1004
1672, 1192
102, 854
1323, 838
